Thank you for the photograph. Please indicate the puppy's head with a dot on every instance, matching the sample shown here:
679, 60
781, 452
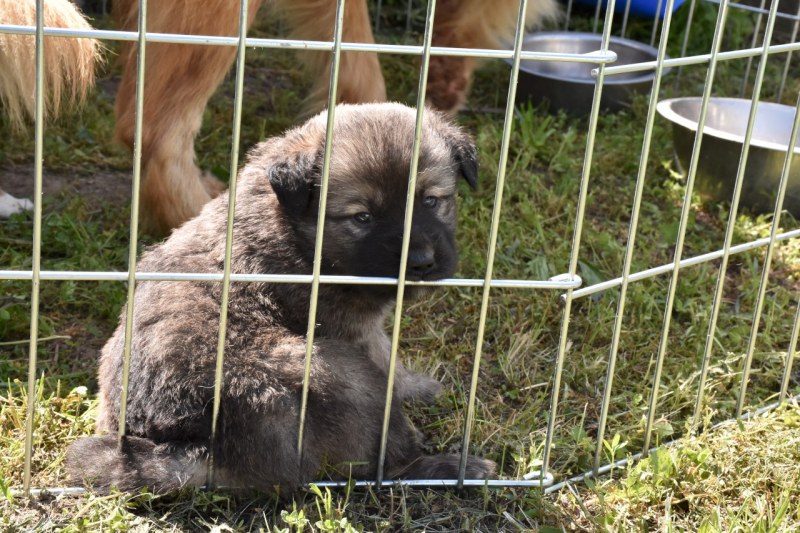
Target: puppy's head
370, 163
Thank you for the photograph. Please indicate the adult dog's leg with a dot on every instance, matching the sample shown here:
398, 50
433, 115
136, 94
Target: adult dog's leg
360, 77
473, 24
179, 80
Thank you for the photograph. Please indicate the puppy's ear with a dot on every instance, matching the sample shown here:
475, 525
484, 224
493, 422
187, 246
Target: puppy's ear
466, 156
293, 182
462, 148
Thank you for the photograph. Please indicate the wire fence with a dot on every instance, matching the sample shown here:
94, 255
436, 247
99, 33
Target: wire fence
570, 283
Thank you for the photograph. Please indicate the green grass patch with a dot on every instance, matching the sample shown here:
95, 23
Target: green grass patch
674, 489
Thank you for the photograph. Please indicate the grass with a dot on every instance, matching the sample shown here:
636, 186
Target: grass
732, 476
687, 487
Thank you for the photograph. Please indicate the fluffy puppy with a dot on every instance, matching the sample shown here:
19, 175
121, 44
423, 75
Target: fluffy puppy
175, 324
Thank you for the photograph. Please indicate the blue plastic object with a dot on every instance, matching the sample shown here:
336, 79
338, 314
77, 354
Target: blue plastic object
641, 8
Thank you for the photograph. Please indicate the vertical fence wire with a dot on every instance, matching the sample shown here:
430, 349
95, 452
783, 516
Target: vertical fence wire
226, 266
132, 246
787, 63
567, 15
726, 246
756, 31
508, 125
323, 202
759, 304
630, 246
685, 45
576, 240
625, 16
37, 241
596, 19
684, 218
656, 18
409, 212
377, 20
787, 370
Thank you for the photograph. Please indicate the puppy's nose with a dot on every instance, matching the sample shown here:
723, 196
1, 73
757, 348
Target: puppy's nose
420, 262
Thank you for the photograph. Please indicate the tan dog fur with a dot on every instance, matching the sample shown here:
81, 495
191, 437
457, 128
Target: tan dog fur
69, 69
180, 78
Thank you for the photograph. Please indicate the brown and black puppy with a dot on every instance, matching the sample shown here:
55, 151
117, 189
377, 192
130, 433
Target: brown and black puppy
176, 324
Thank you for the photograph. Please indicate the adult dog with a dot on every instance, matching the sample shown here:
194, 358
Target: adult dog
175, 324
69, 66
180, 78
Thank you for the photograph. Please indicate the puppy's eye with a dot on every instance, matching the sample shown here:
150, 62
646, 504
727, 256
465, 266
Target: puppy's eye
363, 218
430, 202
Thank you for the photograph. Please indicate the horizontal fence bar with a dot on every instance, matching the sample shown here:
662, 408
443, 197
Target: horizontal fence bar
557, 282
692, 261
323, 46
429, 483
444, 483
754, 9
699, 59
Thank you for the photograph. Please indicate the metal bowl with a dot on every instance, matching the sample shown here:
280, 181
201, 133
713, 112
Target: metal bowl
723, 136
570, 86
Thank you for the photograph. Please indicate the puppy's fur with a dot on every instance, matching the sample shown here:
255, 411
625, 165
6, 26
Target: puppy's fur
175, 324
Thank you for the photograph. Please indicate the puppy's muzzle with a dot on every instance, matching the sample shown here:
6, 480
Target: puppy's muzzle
421, 262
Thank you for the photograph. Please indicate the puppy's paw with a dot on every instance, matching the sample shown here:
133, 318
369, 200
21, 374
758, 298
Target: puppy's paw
478, 468
10, 205
446, 466
421, 388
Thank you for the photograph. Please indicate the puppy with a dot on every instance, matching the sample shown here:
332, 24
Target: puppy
175, 324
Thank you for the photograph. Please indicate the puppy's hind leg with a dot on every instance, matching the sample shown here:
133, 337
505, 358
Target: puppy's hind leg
179, 80
101, 463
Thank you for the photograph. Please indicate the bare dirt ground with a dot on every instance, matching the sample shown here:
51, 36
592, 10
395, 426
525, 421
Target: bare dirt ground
109, 185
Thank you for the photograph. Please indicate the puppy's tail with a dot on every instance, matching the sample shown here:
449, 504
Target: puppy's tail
69, 63
101, 463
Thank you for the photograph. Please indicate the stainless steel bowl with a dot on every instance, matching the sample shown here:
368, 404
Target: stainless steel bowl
723, 137
570, 86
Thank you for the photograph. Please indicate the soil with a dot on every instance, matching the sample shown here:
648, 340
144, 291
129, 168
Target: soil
112, 186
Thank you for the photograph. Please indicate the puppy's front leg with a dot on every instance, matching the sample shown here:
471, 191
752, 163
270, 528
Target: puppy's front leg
409, 386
